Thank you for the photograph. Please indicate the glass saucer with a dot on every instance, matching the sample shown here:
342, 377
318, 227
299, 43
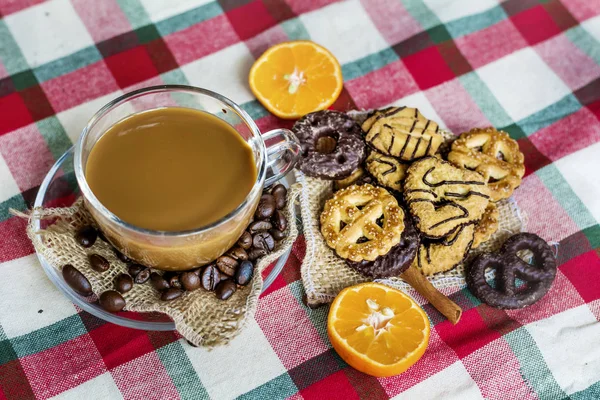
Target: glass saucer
59, 189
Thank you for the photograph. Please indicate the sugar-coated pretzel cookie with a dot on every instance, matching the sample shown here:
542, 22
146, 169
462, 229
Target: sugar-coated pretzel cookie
494, 155
332, 144
402, 132
362, 222
388, 171
444, 254
538, 276
397, 260
442, 197
487, 226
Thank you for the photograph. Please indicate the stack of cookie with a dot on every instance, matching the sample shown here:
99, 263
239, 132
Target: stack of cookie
398, 201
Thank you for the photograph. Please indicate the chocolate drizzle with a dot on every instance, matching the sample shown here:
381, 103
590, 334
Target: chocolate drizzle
421, 191
441, 183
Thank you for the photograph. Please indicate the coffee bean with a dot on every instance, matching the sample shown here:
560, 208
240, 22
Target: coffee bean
277, 234
245, 241
190, 281
86, 236
266, 207
243, 275
263, 241
158, 282
227, 265
172, 279
238, 253
279, 221
123, 283
98, 263
142, 276
225, 289
112, 301
210, 277
255, 253
76, 280
122, 256
135, 269
259, 226
197, 271
279, 192
171, 294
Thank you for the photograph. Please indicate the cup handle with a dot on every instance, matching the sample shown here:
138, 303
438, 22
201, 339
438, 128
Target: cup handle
283, 149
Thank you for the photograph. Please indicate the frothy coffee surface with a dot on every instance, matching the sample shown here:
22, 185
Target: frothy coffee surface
171, 169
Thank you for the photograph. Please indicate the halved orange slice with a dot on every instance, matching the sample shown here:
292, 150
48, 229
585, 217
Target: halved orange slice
292, 79
377, 329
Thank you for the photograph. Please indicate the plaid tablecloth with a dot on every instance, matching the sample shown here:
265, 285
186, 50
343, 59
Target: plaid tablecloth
529, 67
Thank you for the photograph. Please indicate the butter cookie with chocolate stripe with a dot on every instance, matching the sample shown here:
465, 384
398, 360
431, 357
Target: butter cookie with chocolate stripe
487, 226
388, 171
494, 155
362, 222
402, 132
442, 197
443, 255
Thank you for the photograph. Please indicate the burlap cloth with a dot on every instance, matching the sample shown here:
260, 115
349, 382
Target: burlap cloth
199, 316
324, 274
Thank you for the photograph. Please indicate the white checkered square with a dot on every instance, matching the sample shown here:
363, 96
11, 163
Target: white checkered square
420, 101
225, 72
448, 10
249, 355
451, 383
101, 387
592, 25
523, 83
345, 29
570, 344
48, 31
160, 9
576, 168
76, 118
29, 292
8, 186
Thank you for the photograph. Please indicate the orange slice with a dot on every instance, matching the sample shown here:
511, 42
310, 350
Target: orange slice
296, 78
377, 329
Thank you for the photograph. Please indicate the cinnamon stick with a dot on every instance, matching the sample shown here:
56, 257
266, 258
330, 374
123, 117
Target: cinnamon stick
443, 304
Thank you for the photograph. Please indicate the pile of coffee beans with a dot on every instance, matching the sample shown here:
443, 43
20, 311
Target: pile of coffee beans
233, 269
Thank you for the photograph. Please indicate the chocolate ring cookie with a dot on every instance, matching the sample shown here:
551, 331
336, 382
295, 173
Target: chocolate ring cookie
397, 260
332, 144
538, 277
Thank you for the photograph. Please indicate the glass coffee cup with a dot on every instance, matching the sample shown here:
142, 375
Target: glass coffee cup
275, 154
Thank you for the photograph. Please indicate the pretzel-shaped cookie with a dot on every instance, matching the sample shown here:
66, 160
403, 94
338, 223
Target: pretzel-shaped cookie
402, 132
538, 277
442, 197
494, 155
362, 222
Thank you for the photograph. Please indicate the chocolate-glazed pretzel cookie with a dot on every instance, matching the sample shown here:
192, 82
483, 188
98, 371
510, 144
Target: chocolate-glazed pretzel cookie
538, 277
397, 260
332, 144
